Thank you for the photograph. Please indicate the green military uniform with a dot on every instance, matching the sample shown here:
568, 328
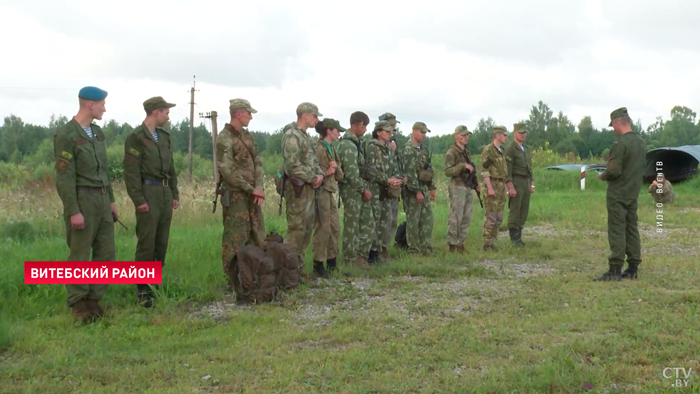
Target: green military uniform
327, 233
150, 178
241, 171
461, 196
83, 183
300, 162
662, 192
419, 216
494, 166
519, 162
623, 173
358, 218
394, 168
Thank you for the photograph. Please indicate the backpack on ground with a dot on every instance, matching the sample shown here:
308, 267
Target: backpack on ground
400, 239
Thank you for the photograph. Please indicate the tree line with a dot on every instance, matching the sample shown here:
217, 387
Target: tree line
25, 143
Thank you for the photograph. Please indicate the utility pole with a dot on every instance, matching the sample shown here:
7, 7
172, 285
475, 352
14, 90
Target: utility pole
191, 122
212, 115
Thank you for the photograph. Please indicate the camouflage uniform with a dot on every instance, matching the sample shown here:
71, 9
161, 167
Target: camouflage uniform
519, 163
394, 168
300, 162
623, 173
419, 216
662, 194
241, 170
461, 196
82, 182
327, 233
493, 161
150, 178
358, 217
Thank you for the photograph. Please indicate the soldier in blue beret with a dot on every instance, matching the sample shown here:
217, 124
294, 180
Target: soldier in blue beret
82, 182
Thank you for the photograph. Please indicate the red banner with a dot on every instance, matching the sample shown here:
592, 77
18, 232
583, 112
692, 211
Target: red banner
92, 272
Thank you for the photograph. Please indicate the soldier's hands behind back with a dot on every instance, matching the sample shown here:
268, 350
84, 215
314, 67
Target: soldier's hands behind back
77, 221
142, 208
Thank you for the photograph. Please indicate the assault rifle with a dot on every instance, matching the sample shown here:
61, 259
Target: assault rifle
470, 179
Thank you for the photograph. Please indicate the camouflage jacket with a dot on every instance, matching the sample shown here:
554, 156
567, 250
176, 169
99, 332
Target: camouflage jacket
625, 167
144, 158
518, 161
454, 164
378, 162
493, 162
239, 162
415, 157
299, 155
80, 161
351, 159
324, 155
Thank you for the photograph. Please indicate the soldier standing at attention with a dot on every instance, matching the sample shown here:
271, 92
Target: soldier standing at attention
304, 176
82, 182
624, 173
493, 161
327, 233
358, 219
241, 174
419, 209
457, 168
395, 166
520, 183
151, 182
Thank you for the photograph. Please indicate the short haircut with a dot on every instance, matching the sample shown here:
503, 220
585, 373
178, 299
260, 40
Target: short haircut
359, 117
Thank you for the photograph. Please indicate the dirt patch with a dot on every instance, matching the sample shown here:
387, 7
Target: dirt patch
549, 231
517, 270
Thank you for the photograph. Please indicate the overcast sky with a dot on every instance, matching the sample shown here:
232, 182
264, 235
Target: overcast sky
441, 62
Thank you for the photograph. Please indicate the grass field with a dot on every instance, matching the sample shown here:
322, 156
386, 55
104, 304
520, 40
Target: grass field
514, 321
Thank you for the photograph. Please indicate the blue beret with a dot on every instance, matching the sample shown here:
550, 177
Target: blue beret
92, 93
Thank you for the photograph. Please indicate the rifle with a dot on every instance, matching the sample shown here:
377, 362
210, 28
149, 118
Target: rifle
118, 221
283, 179
470, 180
318, 191
217, 192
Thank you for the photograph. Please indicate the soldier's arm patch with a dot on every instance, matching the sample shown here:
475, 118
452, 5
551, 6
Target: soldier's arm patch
488, 162
134, 152
66, 155
61, 165
509, 158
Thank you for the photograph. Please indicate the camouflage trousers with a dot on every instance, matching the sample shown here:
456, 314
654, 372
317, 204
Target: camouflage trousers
153, 227
623, 233
519, 206
327, 233
380, 211
301, 218
243, 221
392, 221
461, 208
358, 226
419, 223
493, 206
97, 236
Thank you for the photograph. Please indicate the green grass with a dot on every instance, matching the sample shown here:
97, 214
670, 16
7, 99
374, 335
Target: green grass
514, 321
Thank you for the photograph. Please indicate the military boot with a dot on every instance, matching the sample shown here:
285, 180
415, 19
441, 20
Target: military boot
384, 254
630, 273
374, 257
488, 247
332, 264
454, 249
515, 237
361, 261
145, 296
81, 312
320, 270
93, 306
520, 236
612, 274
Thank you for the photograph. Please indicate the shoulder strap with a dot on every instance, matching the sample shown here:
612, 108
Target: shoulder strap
244, 144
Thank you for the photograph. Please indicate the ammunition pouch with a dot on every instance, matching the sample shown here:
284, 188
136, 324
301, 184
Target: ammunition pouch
297, 185
383, 192
394, 192
425, 175
225, 197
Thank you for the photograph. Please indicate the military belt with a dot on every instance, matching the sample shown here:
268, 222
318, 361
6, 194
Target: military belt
156, 182
522, 176
498, 179
91, 190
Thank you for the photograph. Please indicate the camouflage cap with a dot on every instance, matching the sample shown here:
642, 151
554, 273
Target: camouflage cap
622, 111
388, 116
462, 130
307, 107
383, 125
519, 127
421, 126
331, 123
154, 103
499, 129
240, 103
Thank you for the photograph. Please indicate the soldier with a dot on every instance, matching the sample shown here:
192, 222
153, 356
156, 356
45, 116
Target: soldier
458, 167
327, 233
83, 184
494, 174
151, 182
304, 176
661, 190
382, 178
241, 175
358, 218
623, 173
419, 210
396, 167
520, 182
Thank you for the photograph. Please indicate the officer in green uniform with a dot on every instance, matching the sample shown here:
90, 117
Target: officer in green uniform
82, 182
520, 183
623, 173
151, 181
494, 173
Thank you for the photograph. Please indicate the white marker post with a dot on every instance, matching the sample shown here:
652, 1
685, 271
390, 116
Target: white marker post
583, 178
